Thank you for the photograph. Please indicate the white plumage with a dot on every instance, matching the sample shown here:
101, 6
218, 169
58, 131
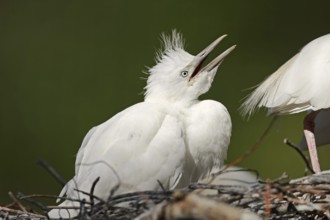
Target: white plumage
301, 84
171, 137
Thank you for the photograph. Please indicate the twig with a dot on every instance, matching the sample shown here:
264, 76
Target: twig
138, 195
90, 195
277, 180
287, 142
161, 186
33, 202
19, 212
92, 190
11, 195
20, 205
52, 171
25, 197
42, 196
116, 187
267, 197
250, 150
254, 146
82, 210
223, 188
62, 207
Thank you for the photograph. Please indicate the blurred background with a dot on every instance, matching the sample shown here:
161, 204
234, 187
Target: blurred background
66, 66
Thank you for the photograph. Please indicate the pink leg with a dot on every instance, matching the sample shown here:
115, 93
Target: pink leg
310, 139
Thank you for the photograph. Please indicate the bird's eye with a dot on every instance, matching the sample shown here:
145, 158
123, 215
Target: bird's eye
184, 73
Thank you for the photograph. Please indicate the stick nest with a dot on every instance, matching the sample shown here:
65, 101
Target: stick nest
304, 198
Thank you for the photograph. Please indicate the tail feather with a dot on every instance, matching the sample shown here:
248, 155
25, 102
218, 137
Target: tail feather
266, 94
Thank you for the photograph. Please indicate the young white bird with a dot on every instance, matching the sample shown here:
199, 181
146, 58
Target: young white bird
171, 137
301, 84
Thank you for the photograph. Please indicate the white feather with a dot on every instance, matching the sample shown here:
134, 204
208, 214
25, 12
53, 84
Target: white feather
300, 84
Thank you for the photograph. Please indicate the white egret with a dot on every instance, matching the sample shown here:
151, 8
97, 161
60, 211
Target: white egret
301, 84
171, 138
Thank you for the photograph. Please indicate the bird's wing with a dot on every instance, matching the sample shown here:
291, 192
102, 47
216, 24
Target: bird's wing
136, 148
208, 129
300, 84
79, 157
81, 150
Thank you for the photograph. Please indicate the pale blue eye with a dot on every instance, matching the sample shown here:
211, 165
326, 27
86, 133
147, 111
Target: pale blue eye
184, 73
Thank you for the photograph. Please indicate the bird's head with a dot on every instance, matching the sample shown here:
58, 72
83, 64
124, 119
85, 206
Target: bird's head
179, 76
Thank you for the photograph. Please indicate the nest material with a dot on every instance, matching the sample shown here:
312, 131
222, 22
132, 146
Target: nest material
305, 198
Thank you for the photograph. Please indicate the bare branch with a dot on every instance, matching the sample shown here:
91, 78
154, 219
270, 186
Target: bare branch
301, 154
52, 171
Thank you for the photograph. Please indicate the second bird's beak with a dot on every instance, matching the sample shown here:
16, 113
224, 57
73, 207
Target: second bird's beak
201, 57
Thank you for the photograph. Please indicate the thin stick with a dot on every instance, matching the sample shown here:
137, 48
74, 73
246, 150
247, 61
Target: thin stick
23, 197
284, 176
267, 197
52, 171
254, 146
11, 195
19, 212
90, 195
308, 165
42, 196
34, 202
161, 186
82, 210
91, 199
62, 207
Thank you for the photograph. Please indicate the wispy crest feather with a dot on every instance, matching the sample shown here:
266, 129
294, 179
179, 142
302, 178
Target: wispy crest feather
170, 56
170, 42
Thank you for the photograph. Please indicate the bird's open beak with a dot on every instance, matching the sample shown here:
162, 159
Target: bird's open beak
201, 57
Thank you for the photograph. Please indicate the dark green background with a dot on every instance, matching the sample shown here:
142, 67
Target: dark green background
66, 66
